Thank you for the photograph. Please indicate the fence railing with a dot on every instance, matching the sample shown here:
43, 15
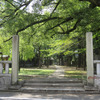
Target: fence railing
4, 65
97, 62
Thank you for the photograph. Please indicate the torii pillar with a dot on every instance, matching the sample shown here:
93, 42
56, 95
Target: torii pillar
15, 59
89, 58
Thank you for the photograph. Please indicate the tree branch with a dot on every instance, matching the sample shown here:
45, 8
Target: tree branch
11, 3
13, 13
25, 4
8, 39
55, 7
62, 29
36, 22
36, 29
68, 31
75, 26
66, 20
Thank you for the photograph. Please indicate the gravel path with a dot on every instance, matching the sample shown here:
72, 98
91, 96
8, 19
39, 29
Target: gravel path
59, 73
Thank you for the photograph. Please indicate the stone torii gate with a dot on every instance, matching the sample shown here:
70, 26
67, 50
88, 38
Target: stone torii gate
89, 59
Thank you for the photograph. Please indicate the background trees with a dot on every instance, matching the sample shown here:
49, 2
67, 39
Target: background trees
50, 28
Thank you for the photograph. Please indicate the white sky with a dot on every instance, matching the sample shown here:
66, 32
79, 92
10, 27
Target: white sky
30, 9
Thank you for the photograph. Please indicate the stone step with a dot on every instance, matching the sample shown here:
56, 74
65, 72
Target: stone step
53, 81
54, 84
90, 88
51, 89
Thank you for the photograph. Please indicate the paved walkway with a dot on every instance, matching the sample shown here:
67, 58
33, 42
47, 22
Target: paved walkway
31, 96
59, 73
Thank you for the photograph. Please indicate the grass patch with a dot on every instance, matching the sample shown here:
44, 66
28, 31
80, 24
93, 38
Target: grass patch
31, 71
26, 71
76, 74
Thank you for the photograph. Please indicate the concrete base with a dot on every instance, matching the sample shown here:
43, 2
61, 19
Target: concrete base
90, 88
97, 81
5, 82
14, 87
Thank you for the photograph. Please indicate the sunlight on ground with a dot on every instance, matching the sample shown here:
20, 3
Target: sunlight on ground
72, 72
31, 71
35, 71
27, 73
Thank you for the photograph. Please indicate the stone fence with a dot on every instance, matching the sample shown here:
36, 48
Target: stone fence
97, 76
5, 76
4, 65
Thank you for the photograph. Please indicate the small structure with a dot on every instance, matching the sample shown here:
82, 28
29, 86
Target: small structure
4, 57
5, 76
4, 63
97, 76
6, 67
7, 79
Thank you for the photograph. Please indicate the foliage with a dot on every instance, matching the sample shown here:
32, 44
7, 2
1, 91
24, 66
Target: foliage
48, 27
5, 48
62, 45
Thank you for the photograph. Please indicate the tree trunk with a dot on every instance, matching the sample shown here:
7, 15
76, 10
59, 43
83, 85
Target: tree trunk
39, 58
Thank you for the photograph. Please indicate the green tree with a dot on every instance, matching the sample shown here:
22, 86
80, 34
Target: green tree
55, 18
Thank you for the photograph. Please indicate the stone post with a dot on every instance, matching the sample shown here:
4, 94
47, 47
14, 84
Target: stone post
15, 59
1, 68
7, 68
98, 68
89, 58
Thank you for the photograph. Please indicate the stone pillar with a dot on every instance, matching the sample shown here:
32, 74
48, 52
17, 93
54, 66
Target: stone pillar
7, 68
1, 68
98, 68
89, 58
15, 59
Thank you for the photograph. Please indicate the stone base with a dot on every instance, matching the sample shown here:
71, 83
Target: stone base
5, 82
17, 86
90, 88
97, 81
14, 87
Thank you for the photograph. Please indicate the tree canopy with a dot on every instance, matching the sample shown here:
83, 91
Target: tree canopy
57, 26
66, 15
